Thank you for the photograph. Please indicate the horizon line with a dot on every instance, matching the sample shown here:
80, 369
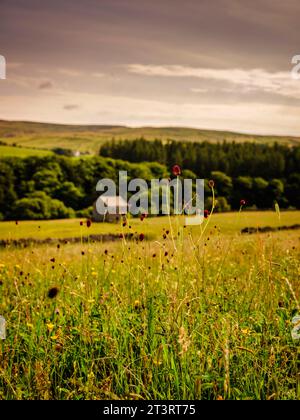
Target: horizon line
150, 126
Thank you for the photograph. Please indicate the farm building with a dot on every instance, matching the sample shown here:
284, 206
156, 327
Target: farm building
116, 207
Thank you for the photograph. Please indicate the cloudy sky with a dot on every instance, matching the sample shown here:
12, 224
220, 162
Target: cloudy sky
221, 64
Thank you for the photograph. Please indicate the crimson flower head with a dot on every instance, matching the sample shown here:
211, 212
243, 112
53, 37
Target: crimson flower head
88, 223
206, 214
141, 237
16, 222
242, 202
81, 223
176, 170
143, 216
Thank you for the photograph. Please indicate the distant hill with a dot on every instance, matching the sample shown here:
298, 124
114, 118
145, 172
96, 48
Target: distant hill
88, 138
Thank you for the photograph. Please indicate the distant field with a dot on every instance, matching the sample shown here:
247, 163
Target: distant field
90, 138
152, 227
22, 151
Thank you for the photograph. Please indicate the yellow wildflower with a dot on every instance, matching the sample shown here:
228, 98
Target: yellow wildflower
50, 326
54, 337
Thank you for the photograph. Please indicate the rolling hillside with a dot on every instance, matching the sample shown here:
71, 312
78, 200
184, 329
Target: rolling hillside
88, 138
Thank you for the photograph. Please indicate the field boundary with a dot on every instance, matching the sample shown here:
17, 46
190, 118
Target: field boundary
264, 229
25, 242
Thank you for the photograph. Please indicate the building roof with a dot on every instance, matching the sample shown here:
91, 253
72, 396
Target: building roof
114, 201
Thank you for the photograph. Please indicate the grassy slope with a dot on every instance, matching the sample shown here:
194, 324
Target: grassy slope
152, 227
89, 138
21, 151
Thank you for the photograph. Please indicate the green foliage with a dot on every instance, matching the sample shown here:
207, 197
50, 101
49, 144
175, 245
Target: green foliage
234, 159
85, 213
7, 192
221, 204
73, 181
63, 152
39, 206
70, 195
223, 183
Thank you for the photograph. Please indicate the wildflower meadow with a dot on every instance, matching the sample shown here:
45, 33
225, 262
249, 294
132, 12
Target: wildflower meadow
163, 311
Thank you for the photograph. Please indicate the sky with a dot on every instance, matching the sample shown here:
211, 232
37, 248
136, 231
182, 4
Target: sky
222, 64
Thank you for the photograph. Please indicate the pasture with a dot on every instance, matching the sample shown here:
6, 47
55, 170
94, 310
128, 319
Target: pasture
23, 152
182, 313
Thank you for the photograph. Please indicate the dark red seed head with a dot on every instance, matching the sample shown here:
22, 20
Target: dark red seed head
16, 222
143, 216
52, 293
176, 170
242, 202
52, 259
141, 237
206, 214
81, 223
88, 223
211, 183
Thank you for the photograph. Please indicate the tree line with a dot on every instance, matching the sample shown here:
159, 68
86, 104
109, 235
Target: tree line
234, 159
54, 186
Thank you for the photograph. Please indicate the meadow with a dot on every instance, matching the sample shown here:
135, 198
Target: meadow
175, 313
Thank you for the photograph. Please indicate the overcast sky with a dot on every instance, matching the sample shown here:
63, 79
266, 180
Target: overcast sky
218, 64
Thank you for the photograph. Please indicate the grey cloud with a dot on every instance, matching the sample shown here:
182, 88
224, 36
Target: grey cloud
71, 107
47, 84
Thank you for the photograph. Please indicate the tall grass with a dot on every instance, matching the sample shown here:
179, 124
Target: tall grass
207, 319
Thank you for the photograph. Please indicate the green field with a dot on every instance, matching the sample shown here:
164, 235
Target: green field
89, 138
202, 313
11, 151
152, 227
